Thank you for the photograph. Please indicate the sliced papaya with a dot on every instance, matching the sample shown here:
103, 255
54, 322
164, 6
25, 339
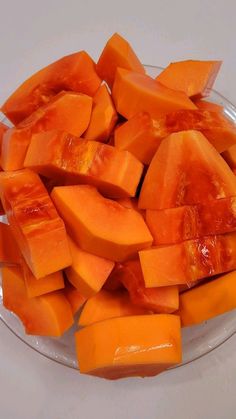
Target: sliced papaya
75, 298
193, 77
47, 315
132, 348
186, 170
9, 251
230, 157
72, 160
101, 226
117, 53
75, 72
36, 226
134, 92
66, 111
206, 105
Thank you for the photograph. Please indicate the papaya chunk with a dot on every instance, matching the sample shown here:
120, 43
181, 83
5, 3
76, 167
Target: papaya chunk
75, 298
132, 348
75, 72
107, 305
66, 111
206, 105
134, 92
208, 300
36, 226
9, 251
88, 272
188, 261
103, 117
186, 170
230, 157
46, 315
102, 226
117, 53
193, 77
71, 160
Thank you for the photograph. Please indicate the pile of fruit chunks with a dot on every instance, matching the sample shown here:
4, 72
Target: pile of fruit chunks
120, 196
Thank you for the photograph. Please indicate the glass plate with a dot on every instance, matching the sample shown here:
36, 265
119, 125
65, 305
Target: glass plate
197, 340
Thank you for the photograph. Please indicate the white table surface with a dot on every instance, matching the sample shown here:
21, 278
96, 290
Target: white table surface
31, 35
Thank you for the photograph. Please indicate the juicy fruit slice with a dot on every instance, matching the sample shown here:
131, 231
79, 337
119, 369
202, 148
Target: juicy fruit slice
205, 105
9, 251
75, 298
134, 92
47, 315
208, 300
67, 111
72, 160
186, 170
195, 78
132, 348
103, 117
107, 305
37, 228
88, 272
157, 299
117, 53
101, 226
75, 72
36, 287
188, 261
189, 222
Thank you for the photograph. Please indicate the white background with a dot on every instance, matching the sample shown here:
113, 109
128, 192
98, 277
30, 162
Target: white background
31, 35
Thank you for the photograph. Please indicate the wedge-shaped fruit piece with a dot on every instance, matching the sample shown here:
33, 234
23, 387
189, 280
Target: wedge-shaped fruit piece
186, 170
134, 92
75, 72
108, 305
192, 221
208, 300
137, 346
88, 272
103, 117
117, 53
38, 230
9, 251
58, 155
68, 111
75, 298
47, 315
99, 225
188, 261
205, 105
195, 78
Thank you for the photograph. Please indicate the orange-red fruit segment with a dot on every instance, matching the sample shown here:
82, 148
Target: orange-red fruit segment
47, 315
117, 53
37, 228
186, 170
72, 160
9, 251
75, 298
133, 349
205, 105
66, 111
88, 272
75, 72
230, 157
134, 92
103, 117
107, 305
195, 78
102, 226
208, 300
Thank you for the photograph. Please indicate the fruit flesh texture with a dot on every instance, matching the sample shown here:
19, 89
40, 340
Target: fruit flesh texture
188, 261
102, 227
88, 272
36, 226
134, 92
230, 157
117, 53
3, 129
208, 106
66, 111
208, 300
185, 159
175, 225
132, 349
9, 251
75, 72
72, 160
75, 298
193, 77
103, 117
46, 315
108, 305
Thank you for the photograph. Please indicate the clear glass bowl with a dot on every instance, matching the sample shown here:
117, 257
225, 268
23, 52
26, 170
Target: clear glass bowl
197, 340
